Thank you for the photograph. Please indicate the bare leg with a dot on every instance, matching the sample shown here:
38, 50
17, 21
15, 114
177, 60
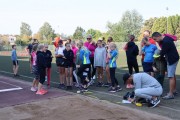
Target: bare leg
71, 76
66, 74
172, 85
108, 74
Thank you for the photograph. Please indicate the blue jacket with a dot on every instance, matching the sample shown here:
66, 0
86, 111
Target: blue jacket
84, 56
14, 55
169, 50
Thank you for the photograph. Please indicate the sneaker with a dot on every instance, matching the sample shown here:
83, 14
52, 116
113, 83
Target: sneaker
175, 93
91, 82
112, 90
118, 89
62, 86
100, 84
84, 89
44, 91
129, 86
33, 89
107, 84
40, 92
168, 96
154, 103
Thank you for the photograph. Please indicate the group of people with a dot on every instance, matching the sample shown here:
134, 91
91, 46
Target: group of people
78, 59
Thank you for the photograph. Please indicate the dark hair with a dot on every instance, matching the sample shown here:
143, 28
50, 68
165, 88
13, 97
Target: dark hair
60, 41
13, 46
145, 39
99, 41
69, 40
35, 47
156, 34
132, 37
147, 31
110, 39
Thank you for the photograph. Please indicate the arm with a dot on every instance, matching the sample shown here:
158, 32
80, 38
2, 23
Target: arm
81, 54
104, 59
165, 48
95, 55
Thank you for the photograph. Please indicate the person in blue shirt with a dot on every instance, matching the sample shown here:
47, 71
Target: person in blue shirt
15, 61
112, 55
149, 50
85, 67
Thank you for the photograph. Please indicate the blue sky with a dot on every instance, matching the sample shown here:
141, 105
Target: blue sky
66, 15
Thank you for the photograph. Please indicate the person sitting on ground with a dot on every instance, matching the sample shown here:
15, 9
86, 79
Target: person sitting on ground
146, 87
159, 67
15, 61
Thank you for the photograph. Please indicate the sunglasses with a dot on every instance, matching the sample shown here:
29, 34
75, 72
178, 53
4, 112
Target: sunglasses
89, 38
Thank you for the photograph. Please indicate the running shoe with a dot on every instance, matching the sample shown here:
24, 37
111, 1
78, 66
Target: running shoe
118, 88
33, 89
43, 90
155, 102
107, 85
168, 96
175, 93
40, 92
100, 84
112, 90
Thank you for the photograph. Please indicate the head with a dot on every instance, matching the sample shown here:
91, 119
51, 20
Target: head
157, 36
112, 46
14, 47
128, 78
35, 47
146, 42
131, 38
110, 39
146, 33
41, 48
89, 38
69, 40
68, 46
80, 44
99, 43
60, 43
73, 43
46, 47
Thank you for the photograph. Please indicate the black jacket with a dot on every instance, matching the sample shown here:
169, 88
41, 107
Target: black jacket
41, 63
132, 51
48, 58
169, 50
69, 55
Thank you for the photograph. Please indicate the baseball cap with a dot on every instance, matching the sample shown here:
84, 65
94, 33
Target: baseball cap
126, 77
157, 53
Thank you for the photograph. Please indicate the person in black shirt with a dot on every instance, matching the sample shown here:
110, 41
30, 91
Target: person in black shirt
172, 57
68, 64
48, 59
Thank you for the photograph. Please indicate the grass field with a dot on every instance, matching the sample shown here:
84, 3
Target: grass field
170, 108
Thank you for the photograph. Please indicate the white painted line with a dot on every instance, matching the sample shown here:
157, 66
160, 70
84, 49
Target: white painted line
9, 84
11, 89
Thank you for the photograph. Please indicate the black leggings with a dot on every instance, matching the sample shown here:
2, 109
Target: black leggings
80, 73
42, 74
132, 65
94, 68
113, 78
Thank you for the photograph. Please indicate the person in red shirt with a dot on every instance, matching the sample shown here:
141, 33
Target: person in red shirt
56, 41
147, 35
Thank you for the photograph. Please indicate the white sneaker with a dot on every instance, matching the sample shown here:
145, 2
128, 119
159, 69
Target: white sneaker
33, 89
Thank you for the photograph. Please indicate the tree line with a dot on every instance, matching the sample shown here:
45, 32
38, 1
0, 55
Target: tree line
131, 22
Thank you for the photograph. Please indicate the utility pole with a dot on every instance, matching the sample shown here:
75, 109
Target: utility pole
167, 20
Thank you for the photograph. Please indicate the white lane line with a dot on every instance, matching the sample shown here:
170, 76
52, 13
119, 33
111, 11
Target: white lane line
11, 89
10, 84
102, 92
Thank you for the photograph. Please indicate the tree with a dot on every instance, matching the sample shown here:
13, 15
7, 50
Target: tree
79, 33
46, 32
25, 32
160, 25
96, 34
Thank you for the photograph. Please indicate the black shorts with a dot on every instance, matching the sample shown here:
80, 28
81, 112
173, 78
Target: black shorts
147, 66
60, 62
68, 66
35, 72
14, 62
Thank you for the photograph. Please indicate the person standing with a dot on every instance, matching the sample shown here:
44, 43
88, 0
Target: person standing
41, 65
48, 59
132, 51
148, 50
112, 55
170, 52
15, 61
91, 46
100, 62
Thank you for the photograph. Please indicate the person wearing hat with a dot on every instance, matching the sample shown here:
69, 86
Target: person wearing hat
159, 67
146, 87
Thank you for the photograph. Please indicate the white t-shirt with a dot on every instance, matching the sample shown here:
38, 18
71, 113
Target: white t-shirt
59, 50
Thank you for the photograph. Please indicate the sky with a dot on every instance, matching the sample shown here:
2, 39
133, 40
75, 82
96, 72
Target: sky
65, 15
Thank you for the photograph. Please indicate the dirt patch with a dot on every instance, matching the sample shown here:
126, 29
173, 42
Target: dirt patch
74, 107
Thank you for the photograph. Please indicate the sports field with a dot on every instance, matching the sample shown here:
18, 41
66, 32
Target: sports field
169, 108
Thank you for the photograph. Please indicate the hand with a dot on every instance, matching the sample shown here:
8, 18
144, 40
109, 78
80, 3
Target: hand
92, 42
154, 69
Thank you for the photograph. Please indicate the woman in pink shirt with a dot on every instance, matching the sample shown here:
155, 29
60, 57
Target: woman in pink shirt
91, 46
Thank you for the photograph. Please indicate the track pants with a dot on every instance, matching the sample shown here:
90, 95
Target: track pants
80, 73
113, 77
132, 65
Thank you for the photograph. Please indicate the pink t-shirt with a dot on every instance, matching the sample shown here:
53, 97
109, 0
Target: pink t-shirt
34, 58
74, 49
90, 47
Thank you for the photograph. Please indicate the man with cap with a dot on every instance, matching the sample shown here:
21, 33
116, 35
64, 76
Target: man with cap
146, 87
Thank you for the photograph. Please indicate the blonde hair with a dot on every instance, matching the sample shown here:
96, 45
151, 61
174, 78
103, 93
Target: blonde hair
80, 42
40, 47
113, 45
